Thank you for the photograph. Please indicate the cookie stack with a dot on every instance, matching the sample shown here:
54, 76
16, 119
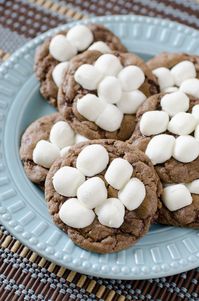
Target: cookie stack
122, 152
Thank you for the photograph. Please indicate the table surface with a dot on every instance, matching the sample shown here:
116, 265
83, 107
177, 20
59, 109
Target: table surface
24, 275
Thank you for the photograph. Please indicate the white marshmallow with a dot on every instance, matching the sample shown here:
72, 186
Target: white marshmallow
131, 78
80, 36
74, 214
193, 186
100, 46
66, 181
154, 122
58, 72
182, 124
111, 213
133, 194
109, 89
160, 148
62, 134
186, 149
196, 133
45, 153
92, 160
175, 102
169, 89
110, 119
176, 197
64, 151
61, 49
90, 106
79, 138
131, 101
183, 71
118, 173
92, 193
88, 76
191, 87
195, 112
164, 76
108, 64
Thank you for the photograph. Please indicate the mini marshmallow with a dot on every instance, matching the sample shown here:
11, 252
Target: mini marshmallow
88, 76
196, 133
175, 102
92, 193
160, 148
131, 101
80, 36
109, 89
169, 89
58, 72
186, 149
183, 71
182, 124
92, 160
131, 78
176, 197
195, 112
111, 213
164, 76
133, 194
191, 87
74, 214
62, 134
154, 122
66, 181
90, 106
64, 151
45, 153
61, 49
118, 173
79, 138
108, 64
193, 186
110, 119
100, 46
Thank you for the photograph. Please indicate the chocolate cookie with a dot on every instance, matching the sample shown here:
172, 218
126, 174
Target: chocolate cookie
96, 236
172, 170
45, 62
35, 140
174, 69
124, 85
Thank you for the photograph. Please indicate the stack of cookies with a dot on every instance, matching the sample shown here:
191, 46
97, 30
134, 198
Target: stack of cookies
122, 150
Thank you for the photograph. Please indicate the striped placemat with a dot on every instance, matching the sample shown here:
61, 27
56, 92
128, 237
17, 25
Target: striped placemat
24, 275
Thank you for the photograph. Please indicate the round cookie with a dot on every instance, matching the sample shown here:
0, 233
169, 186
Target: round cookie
45, 62
96, 236
71, 92
171, 69
172, 170
36, 131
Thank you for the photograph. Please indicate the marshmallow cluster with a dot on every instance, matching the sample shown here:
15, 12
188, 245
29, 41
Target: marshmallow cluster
64, 47
117, 91
174, 119
61, 138
182, 76
91, 193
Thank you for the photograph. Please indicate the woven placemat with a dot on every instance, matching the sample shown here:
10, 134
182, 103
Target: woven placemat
24, 275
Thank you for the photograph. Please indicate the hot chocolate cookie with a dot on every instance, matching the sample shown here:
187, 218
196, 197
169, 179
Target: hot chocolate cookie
53, 56
103, 194
43, 142
100, 93
176, 71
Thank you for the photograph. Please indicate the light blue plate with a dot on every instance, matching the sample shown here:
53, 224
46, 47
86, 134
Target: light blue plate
164, 250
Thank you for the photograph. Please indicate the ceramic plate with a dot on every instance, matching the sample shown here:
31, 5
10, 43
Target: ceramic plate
164, 250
